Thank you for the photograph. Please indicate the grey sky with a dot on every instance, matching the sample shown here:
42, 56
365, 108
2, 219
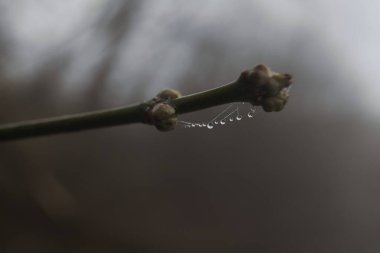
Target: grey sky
38, 28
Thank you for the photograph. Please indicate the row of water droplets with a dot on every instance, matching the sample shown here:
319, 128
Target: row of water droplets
228, 115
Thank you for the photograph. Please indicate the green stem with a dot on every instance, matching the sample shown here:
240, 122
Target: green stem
72, 123
221, 95
113, 117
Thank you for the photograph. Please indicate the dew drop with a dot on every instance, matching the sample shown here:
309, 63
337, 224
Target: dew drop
250, 114
239, 117
222, 122
231, 119
216, 122
210, 126
192, 125
204, 125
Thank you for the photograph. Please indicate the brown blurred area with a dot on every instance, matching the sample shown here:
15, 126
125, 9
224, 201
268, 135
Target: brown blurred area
302, 180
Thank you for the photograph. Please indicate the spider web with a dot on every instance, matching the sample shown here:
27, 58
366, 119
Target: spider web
230, 114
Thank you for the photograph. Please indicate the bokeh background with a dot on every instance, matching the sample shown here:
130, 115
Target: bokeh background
306, 179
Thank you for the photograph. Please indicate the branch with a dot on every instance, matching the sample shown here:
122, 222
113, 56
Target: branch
258, 86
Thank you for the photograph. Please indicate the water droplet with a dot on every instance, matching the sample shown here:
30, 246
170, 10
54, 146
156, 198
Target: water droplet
239, 117
216, 122
231, 119
204, 125
250, 114
210, 126
222, 122
192, 125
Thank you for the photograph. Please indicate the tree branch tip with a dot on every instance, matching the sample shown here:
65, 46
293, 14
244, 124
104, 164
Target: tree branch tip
259, 86
263, 87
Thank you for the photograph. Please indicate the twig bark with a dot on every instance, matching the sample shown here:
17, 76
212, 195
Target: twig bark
259, 86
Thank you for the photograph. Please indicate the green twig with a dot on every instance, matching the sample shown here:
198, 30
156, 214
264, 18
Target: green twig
259, 86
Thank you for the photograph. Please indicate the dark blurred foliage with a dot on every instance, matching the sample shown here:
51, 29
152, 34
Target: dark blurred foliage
302, 180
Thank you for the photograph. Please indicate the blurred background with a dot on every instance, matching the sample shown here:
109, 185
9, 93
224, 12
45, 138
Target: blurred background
306, 179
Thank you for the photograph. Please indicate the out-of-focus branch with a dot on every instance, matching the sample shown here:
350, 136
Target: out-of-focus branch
258, 86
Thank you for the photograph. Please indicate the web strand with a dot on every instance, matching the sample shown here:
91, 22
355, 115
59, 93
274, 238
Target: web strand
221, 118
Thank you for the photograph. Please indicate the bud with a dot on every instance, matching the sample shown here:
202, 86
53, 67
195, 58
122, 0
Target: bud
169, 94
265, 87
273, 104
163, 116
